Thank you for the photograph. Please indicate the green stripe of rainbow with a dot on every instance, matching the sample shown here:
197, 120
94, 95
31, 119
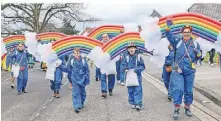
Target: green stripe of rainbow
13, 41
66, 45
203, 26
111, 30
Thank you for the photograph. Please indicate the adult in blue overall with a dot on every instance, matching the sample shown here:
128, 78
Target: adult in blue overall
133, 60
80, 78
167, 68
111, 77
183, 74
9, 63
21, 59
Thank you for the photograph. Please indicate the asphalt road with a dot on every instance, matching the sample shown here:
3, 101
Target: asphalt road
38, 104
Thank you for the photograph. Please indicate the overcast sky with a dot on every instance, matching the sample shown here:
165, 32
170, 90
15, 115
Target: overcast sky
123, 13
129, 13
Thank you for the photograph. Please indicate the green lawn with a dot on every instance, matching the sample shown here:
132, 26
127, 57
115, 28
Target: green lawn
215, 59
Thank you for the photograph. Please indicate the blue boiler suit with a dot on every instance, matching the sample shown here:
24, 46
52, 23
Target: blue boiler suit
166, 75
135, 93
21, 58
183, 82
80, 78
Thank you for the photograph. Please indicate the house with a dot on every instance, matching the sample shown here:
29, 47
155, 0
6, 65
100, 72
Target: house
212, 10
87, 31
155, 14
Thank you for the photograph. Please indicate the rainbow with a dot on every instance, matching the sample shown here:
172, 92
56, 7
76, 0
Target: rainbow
13, 41
119, 44
204, 27
66, 45
48, 36
111, 30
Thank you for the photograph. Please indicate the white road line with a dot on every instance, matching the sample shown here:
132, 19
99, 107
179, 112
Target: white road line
47, 102
199, 110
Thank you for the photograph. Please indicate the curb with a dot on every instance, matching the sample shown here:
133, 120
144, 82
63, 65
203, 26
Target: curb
216, 98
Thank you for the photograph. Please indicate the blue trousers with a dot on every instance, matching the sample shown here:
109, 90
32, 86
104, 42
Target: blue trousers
122, 77
118, 70
135, 95
22, 79
78, 95
98, 73
55, 85
69, 77
111, 82
182, 85
166, 80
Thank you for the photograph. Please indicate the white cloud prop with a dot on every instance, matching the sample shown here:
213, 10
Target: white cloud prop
130, 27
44, 50
3, 50
31, 42
102, 61
160, 52
150, 32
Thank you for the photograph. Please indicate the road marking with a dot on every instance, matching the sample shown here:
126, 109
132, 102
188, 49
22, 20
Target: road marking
199, 110
47, 102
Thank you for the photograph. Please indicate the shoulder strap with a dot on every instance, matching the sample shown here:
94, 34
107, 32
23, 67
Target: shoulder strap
127, 58
72, 61
195, 44
83, 60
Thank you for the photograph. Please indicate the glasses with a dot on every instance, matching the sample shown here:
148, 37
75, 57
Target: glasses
186, 32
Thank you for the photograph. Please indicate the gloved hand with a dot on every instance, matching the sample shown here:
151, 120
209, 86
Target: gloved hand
126, 70
169, 22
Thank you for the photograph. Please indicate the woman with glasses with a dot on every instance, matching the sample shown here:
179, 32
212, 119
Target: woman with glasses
186, 52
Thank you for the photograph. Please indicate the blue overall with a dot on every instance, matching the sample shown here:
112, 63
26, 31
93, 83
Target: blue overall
21, 58
135, 92
166, 75
80, 78
111, 82
98, 73
183, 82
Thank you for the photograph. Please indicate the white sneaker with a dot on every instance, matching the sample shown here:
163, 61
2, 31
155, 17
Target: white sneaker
138, 108
118, 82
212, 65
133, 106
122, 84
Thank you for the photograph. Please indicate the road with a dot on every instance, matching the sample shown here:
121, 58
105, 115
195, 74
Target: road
38, 104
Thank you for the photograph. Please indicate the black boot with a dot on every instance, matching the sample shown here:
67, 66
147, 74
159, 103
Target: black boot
176, 114
23, 90
110, 92
188, 112
96, 79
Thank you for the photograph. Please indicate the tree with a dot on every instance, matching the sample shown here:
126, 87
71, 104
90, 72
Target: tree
68, 29
37, 16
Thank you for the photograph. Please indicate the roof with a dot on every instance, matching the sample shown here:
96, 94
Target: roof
212, 10
155, 14
88, 30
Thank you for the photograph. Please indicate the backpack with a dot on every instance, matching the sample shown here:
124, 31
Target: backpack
137, 58
83, 61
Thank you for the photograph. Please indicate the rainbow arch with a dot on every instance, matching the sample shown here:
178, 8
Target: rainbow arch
204, 27
66, 45
119, 44
111, 30
13, 41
